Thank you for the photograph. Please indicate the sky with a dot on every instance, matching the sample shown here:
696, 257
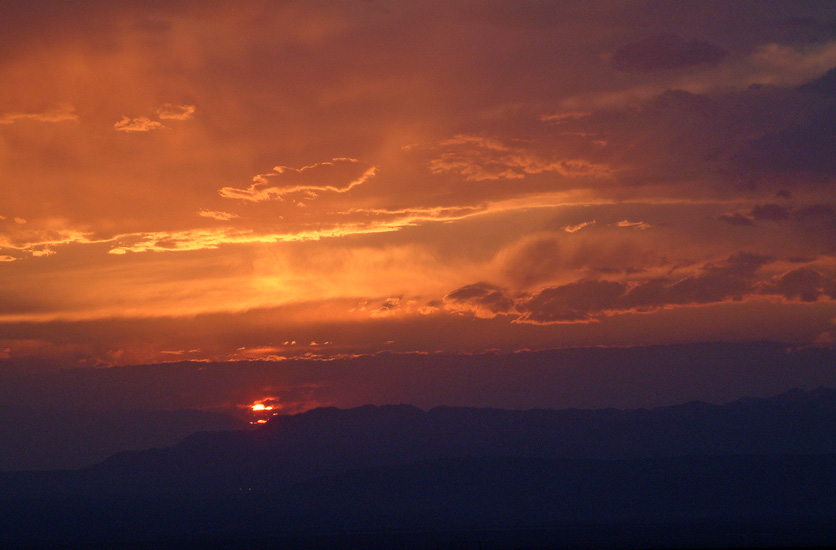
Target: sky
224, 181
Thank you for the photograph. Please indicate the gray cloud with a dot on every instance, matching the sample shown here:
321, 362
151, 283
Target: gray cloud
770, 212
482, 298
587, 299
804, 284
666, 51
736, 218
576, 301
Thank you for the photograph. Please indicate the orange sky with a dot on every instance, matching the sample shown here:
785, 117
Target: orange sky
206, 180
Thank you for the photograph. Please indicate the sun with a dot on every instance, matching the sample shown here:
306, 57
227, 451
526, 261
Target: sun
263, 409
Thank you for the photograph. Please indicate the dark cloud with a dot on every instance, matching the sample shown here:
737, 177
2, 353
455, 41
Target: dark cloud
770, 212
806, 147
732, 279
666, 51
735, 219
824, 85
815, 213
753, 139
805, 284
576, 301
817, 223
585, 299
480, 297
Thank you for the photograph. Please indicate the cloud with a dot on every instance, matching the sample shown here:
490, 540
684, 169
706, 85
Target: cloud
215, 215
634, 225
483, 299
210, 239
565, 116
62, 114
588, 299
767, 65
732, 279
175, 112
805, 284
140, 124
481, 158
577, 301
509, 160
816, 213
6, 258
577, 227
388, 307
736, 219
770, 212
339, 175
666, 51
547, 257
41, 241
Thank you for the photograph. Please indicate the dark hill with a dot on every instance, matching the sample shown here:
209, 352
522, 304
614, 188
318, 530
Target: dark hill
329, 441
753, 468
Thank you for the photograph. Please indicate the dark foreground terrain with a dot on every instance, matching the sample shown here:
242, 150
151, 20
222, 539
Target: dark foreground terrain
752, 473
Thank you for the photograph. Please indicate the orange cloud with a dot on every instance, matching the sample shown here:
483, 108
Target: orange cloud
63, 114
139, 124
479, 158
175, 112
307, 181
215, 215
716, 155
578, 227
635, 225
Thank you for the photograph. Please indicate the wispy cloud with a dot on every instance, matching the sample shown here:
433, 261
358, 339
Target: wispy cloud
216, 215
578, 227
339, 175
482, 158
62, 114
139, 124
203, 239
41, 242
634, 225
175, 112
770, 64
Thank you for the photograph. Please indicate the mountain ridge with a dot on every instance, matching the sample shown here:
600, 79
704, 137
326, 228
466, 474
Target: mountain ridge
329, 441
751, 468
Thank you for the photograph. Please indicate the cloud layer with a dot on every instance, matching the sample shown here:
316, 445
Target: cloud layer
542, 170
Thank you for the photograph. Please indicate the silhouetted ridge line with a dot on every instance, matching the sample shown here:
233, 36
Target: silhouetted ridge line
330, 441
753, 466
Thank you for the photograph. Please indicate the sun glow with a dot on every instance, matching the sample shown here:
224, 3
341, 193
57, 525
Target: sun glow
262, 410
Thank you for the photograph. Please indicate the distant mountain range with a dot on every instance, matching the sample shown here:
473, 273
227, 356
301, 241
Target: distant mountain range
49, 439
769, 463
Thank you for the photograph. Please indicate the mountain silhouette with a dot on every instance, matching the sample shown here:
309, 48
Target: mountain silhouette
328, 441
769, 463
49, 439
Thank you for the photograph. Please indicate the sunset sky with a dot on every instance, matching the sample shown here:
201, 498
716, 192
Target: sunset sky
229, 181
